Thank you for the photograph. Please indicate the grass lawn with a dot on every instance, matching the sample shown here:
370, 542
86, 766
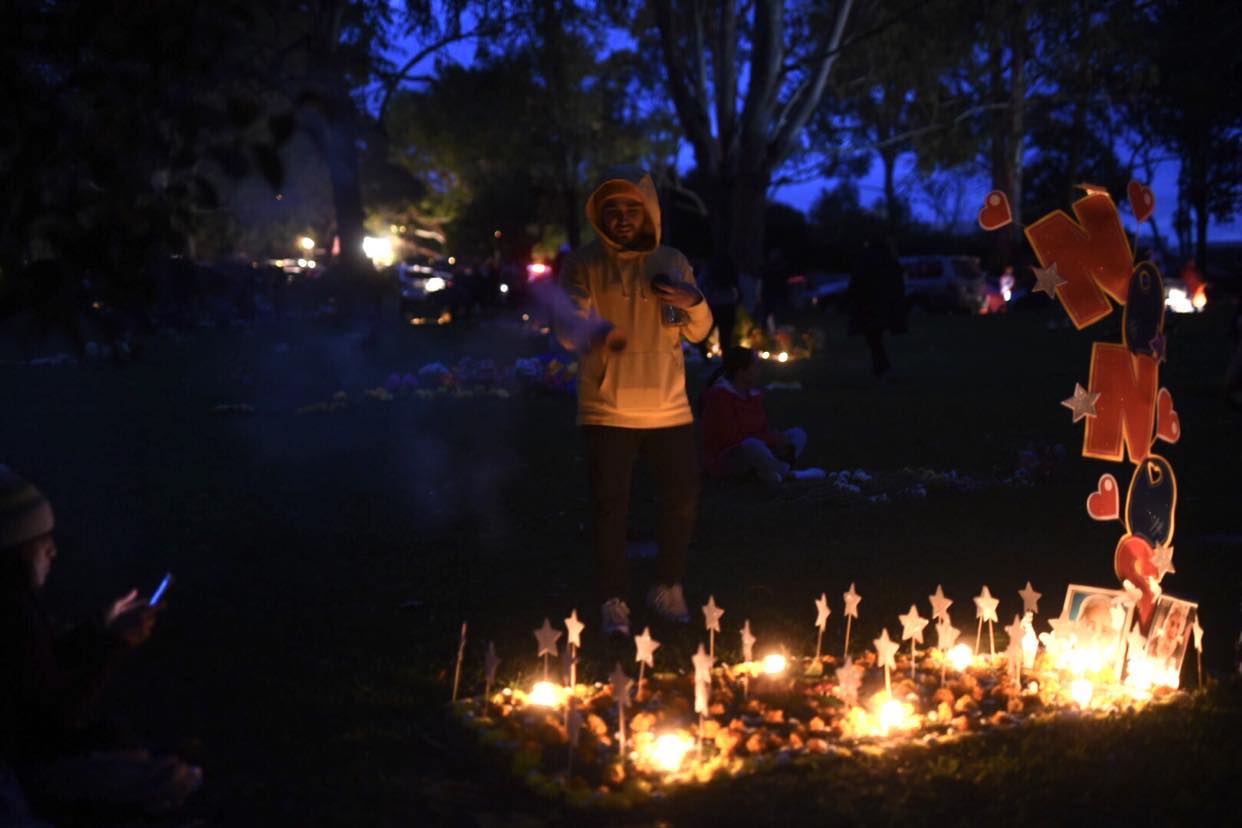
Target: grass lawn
325, 563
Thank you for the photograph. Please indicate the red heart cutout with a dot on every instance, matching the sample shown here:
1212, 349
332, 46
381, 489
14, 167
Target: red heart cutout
1132, 562
1105, 502
1168, 424
995, 213
1142, 200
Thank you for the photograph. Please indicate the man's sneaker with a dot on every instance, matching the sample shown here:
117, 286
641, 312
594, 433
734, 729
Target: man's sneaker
669, 603
616, 617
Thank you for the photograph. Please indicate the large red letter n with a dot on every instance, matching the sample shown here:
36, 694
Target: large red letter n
1092, 255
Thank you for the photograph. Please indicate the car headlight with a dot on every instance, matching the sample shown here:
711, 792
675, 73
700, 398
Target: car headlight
434, 284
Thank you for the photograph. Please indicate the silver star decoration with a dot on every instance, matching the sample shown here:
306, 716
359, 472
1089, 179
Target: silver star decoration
748, 642
574, 627
885, 649
946, 636
849, 679
1082, 403
912, 624
1198, 631
547, 638
702, 693
821, 611
985, 606
646, 647
712, 614
940, 604
702, 665
1159, 347
490, 662
620, 684
852, 600
1047, 279
1162, 559
1014, 631
1030, 598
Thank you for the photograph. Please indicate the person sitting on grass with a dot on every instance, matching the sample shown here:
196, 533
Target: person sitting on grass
68, 761
737, 440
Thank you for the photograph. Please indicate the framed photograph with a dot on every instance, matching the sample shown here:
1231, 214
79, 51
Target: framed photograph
1105, 615
1169, 638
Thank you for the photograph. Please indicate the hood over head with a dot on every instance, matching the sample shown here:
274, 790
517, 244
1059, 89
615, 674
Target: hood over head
634, 182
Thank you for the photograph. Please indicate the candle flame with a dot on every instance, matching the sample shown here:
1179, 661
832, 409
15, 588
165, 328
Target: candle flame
670, 750
960, 657
774, 664
546, 694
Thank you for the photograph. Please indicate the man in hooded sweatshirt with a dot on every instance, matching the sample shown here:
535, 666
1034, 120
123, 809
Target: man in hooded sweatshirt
639, 299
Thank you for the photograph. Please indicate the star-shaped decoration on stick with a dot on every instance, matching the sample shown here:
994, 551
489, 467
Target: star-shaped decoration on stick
946, 636
940, 604
574, 627
1030, 598
885, 649
852, 600
1198, 631
1162, 559
547, 638
1082, 403
1047, 279
490, 662
985, 606
912, 625
849, 679
702, 665
620, 684
748, 642
822, 611
646, 647
1015, 631
712, 614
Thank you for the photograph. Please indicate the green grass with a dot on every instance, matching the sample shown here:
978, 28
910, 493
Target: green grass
292, 663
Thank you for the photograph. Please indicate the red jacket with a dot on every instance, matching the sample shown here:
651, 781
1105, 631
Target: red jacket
729, 417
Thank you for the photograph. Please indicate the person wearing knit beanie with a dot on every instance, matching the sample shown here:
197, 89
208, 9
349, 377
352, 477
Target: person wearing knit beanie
25, 513
50, 683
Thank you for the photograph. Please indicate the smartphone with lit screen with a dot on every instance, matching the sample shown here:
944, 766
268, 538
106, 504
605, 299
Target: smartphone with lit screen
160, 590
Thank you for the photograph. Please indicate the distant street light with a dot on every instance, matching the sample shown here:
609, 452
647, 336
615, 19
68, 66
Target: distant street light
306, 243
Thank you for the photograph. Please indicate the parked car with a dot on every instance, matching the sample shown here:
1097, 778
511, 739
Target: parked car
824, 290
953, 283
427, 290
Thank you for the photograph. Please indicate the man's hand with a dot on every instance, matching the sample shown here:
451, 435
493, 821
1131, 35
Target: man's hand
678, 294
134, 623
120, 606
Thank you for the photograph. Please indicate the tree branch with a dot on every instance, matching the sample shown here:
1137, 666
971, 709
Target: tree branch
692, 115
392, 81
803, 102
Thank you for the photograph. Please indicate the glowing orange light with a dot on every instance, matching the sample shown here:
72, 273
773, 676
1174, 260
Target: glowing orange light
774, 664
545, 694
960, 657
669, 751
1081, 691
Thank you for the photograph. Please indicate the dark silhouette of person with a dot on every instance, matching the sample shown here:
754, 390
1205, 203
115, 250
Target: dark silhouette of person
876, 299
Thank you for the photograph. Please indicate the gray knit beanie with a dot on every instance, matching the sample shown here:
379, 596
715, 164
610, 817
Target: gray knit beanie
25, 513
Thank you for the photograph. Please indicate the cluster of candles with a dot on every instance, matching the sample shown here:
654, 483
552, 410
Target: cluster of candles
1084, 666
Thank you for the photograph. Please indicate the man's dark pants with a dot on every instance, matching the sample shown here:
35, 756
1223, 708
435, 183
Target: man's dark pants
671, 459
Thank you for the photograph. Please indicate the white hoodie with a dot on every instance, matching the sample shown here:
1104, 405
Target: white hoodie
644, 385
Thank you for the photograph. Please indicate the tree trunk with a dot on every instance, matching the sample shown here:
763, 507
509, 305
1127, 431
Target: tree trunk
342, 150
1017, 118
888, 156
747, 198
